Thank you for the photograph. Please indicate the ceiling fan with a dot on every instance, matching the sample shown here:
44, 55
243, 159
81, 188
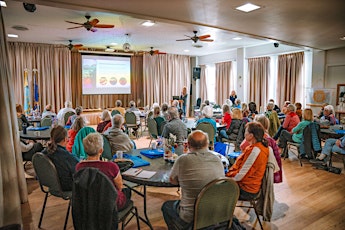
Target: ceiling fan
152, 52
195, 38
90, 25
70, 46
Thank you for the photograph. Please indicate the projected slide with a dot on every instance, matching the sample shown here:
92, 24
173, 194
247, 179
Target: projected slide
106, 74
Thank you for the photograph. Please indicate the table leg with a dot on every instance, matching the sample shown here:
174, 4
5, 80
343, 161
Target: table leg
143, 195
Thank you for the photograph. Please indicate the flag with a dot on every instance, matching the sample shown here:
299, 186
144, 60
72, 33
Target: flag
27, 106
36, 90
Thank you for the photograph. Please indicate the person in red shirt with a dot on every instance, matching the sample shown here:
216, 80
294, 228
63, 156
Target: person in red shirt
250, 166
93, 146
77, 125
226, 119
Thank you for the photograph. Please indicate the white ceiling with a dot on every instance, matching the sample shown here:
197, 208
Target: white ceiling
304, 23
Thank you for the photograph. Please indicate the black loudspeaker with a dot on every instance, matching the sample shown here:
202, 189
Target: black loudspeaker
196, 73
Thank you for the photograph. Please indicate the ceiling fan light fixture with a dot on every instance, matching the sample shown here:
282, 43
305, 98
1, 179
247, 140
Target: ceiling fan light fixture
126, 47
109, 49
3, 4
248, 7
148, 23
342, 38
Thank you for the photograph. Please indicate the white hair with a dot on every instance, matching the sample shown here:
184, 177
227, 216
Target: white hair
207, 111
330, 108
68, 104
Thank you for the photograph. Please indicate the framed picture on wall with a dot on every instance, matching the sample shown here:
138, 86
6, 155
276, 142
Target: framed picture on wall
319, 96
340, 94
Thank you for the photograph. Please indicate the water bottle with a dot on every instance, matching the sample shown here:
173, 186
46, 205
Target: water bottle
24, 126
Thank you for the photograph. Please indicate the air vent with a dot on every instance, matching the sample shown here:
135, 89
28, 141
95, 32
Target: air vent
21, 28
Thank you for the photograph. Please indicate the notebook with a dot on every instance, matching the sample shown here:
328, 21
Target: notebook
152, 153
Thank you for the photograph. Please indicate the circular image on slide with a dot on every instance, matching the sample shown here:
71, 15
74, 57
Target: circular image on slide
103, 81
123, 81
113, 81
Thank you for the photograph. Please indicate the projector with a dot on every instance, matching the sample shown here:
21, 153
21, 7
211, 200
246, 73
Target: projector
126, 47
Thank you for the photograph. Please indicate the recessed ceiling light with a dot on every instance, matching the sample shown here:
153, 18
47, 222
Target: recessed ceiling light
3, 3
148, 23
186, 51
342, 38
12, 35
248, 7
237, 38
114, 44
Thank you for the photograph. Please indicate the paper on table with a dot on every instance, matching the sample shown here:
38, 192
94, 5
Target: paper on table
132, 171
145, 174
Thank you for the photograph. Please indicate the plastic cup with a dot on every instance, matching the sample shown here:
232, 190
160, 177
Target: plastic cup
119, 154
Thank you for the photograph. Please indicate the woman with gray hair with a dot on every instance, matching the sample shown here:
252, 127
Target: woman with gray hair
328, 117
207, 113
106, 119
93, 146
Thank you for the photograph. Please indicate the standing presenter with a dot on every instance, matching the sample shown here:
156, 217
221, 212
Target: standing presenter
183, 97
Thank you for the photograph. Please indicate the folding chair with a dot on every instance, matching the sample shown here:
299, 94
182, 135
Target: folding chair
49, 182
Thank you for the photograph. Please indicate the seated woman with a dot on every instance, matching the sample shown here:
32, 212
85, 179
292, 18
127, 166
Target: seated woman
263, 120
164, 111
272, 116
296, 133
226, 119
250, 167
106, 119
290, 121
21, 116
157, 116
29, 149
299, 110
78, 112
93, 146
78, 124
252, 110
331, 145
236, 130
285, 107
207, 113
64, 162
245, 110
328, 117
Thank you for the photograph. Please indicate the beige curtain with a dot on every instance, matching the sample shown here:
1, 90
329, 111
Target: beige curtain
224, 81
107, 100
12, 181
203, 83
290, 77
54, 72
258, 78
164, 77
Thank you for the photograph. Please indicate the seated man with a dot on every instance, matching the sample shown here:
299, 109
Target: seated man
61, 113
118, 107
176, 127
135, 110
191, 171
117, 138
29, 149
331, 145
48, 111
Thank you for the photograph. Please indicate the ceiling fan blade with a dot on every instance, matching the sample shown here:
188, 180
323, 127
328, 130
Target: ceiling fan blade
75, 27
77, 46
103, 26
93, 22
74, 23
204, 36
206, 40
186, 39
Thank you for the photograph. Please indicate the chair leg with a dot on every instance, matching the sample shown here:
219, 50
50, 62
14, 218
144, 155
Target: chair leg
67, 214
137, 217
257, 214
42, 212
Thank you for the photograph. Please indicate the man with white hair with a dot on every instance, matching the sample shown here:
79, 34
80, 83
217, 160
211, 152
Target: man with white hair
117, 138
207, 113
61, 113
176, 127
